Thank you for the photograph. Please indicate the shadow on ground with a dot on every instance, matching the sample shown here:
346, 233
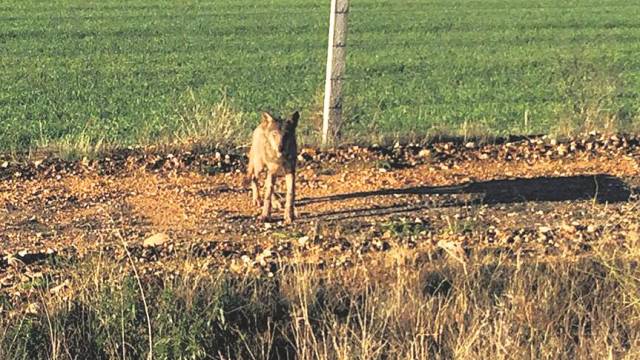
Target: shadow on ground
602, 188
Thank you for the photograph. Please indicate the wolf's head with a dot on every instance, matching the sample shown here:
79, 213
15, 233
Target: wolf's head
279, 133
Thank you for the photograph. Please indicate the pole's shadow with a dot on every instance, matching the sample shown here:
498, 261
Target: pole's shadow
602, 188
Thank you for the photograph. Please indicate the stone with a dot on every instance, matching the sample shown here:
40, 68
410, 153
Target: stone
155, 240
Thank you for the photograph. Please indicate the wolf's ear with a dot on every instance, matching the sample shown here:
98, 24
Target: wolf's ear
266, 119
294, 118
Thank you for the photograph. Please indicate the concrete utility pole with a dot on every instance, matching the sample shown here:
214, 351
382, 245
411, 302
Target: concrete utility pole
336, 61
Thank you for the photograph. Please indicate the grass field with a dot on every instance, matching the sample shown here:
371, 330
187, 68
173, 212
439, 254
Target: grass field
78, 74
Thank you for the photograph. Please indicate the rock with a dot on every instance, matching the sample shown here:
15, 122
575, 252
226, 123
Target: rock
544, 229
158, 239
262, 258
59, 288
571, 229
303, 241
424, 153
562, 150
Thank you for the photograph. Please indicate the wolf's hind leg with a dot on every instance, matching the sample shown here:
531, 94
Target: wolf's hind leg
289, 211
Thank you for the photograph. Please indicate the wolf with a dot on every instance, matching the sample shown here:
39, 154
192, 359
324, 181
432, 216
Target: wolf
274, 149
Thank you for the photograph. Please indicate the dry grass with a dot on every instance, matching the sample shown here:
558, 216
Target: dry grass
592, 101
217, 125
583, 308
88, 142
200, 125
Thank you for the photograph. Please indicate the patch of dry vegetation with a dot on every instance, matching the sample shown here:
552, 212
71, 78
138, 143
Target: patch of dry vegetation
592, 101
489, 308
218, 125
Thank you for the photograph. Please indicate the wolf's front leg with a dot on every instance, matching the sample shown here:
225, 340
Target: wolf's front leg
255, 194
289, 214
268, 194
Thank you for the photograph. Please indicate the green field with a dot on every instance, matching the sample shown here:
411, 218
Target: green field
77, 73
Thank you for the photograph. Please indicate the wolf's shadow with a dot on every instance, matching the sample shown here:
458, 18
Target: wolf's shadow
602, 188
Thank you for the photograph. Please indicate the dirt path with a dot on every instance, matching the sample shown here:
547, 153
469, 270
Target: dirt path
529, 197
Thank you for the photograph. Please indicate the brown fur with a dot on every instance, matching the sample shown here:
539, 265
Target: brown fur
274, 149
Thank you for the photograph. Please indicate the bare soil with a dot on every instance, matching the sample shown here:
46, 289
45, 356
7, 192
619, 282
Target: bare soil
524, 199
